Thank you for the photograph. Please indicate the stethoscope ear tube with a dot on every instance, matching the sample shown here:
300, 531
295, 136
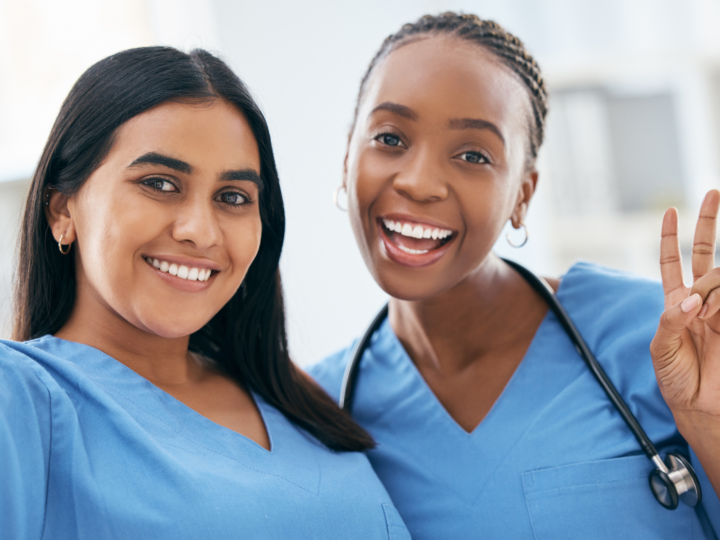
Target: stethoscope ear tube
672, 480
352, 368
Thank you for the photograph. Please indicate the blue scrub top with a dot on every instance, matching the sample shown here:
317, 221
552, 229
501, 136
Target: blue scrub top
91, 450
553, 459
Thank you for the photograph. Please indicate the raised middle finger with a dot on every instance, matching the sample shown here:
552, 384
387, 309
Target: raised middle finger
703, 252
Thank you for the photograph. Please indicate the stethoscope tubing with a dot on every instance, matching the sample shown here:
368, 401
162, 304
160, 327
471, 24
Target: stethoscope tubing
347, 389
544, 290
664, 480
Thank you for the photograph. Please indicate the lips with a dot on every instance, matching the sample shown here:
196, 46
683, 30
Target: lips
413, 244
183, 273
191, 273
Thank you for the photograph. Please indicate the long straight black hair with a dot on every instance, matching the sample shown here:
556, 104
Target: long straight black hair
247, 337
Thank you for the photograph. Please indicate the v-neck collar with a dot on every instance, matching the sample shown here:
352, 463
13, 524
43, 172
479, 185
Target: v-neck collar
410, 402
288, 444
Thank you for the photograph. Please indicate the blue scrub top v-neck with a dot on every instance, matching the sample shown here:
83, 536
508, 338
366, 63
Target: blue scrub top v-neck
553, 459
91, 450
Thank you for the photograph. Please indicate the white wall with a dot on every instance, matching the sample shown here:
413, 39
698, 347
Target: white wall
304, 60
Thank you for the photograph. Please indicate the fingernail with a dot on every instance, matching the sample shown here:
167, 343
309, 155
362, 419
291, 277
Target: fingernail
691, 303
703, 311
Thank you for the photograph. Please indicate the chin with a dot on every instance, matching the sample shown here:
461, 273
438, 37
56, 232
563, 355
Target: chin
408, 288
172, 327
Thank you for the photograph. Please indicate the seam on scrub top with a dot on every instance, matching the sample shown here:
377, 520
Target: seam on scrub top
524, 433
530, 516
35, 365
210, 449
630, 479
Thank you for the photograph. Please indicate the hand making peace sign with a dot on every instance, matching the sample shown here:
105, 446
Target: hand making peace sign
686, 347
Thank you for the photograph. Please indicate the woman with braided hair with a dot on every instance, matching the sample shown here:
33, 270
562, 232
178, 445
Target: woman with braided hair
487, 423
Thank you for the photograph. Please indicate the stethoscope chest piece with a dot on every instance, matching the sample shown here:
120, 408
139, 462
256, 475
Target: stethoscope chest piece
675, 481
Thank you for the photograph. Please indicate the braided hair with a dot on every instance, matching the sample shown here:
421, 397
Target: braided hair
489, 35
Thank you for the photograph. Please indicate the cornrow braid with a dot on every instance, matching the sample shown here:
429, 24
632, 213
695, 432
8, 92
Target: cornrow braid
494, 38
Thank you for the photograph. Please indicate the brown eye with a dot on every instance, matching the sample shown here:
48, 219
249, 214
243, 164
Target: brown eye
233, 198
388, 139
473, 157
159, 184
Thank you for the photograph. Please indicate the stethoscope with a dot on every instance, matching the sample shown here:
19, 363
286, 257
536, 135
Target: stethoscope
672, 480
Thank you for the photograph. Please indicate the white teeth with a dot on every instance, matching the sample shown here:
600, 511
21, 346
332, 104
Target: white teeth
181, 271
413, 251
416, 231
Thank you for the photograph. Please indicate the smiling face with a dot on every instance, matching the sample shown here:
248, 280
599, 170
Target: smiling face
436, 164
166, 228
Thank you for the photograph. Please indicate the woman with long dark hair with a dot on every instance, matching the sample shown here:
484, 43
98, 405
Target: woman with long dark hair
488, 422
148, 392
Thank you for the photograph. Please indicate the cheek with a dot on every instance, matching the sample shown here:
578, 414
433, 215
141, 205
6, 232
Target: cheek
111, 227
243, 242
485, 213
366, 178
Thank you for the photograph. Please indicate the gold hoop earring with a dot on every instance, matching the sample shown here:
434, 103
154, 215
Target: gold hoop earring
336, 193
60, 245
527, 235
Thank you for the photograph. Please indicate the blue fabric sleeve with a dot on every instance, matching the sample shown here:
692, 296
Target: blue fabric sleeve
25, 432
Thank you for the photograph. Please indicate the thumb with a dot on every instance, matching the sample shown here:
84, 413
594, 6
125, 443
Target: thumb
672, 323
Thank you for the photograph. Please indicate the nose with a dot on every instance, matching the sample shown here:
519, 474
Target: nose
422, 178
197, 223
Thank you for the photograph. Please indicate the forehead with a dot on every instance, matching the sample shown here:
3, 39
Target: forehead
214, 131
443, 77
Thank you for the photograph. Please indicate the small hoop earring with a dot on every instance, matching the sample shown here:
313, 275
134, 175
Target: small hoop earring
60, 245
336, 193
527, 235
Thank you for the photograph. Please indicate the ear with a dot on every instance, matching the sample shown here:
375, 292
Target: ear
58, 213
525, 193
345, 169
345, 161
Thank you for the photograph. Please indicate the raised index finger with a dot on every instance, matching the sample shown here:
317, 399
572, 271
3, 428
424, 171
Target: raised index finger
703, 252
670, 260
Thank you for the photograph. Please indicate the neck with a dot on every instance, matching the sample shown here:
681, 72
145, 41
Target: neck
163, 361
485, 312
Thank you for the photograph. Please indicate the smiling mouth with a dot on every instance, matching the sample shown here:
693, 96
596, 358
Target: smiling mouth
180, 270
415, 239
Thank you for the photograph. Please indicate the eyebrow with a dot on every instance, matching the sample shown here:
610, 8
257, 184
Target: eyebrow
396, 108
183, 167
475, 123
242, 175
165, 161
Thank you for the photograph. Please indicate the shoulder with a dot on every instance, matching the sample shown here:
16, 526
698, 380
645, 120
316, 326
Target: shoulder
21, 372
593, 285
618, 314
609, 304
31, 378
328, 373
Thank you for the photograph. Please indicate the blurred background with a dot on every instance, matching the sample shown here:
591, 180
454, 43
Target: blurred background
634, 124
